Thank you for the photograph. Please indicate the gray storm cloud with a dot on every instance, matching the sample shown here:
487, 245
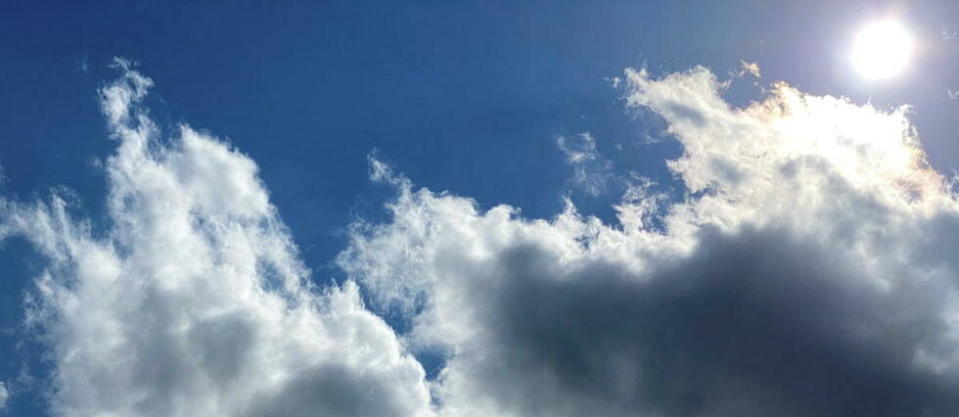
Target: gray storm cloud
809, 271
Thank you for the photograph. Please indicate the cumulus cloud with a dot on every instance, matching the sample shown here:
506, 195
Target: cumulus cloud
193, 301
4, 395
810, 270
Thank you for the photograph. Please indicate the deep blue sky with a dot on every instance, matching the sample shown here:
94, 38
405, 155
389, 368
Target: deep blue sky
461, 96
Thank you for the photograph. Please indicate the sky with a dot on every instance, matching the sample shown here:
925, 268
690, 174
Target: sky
457, 209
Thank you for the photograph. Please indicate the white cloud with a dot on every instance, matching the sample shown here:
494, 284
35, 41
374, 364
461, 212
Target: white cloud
591, 172
751, 68
809, 271
193, 302
4, 395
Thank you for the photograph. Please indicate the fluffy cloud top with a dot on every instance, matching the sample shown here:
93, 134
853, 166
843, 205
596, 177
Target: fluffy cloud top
193, 302
810, 271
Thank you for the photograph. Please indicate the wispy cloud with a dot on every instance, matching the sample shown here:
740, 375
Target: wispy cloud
4, 395
591, 171
949, 34
750, 68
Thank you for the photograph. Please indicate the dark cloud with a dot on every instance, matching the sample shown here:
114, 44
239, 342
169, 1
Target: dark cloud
332, 391
807, 272
755, 323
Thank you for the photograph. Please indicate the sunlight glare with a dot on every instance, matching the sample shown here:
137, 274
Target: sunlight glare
882, 50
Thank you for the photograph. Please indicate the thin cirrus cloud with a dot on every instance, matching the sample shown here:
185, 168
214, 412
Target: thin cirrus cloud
809, 271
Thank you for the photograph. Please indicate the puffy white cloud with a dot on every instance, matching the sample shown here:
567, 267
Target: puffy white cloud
193, 301
809, 271
4, 395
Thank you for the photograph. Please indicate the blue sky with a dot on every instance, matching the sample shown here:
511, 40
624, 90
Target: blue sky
466, 97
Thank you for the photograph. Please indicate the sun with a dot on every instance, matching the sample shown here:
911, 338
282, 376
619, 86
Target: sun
882, 50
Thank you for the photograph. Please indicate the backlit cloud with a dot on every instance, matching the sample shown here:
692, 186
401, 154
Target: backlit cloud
810, 271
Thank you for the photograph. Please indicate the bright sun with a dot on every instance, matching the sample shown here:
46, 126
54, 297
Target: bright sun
882, 50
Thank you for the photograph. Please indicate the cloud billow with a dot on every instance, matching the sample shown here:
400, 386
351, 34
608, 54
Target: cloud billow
194, 302
808, 271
